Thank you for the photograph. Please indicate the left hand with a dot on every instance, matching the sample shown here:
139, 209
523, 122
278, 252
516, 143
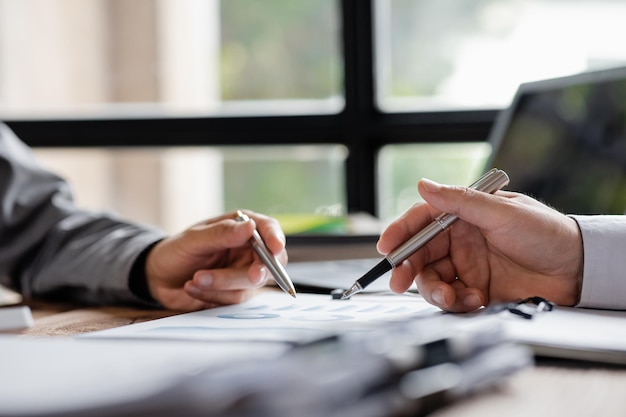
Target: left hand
212, 263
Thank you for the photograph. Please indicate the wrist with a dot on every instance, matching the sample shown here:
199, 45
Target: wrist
138, 278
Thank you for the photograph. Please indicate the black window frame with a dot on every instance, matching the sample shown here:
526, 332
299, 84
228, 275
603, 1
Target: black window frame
361, 127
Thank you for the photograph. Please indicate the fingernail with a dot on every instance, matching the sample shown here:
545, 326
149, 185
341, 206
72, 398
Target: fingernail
264, 275
430, 185
193, 290
438, 297
205, 280
472, 301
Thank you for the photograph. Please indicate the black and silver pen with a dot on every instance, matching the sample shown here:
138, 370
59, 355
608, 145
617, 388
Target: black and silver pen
277, 270
490, 182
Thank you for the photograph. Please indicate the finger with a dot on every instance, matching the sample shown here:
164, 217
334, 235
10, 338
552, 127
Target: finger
207, 239
230, 279
434, 289
216, 298
436, 283
466, 203
214, 237
405, 227
439, 285
271, 233
177, 299
466, 299
402, 277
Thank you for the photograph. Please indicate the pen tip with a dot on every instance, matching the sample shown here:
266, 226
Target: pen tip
292, 293
354, 289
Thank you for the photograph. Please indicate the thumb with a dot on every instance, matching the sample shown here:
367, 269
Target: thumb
476, 207
224, 234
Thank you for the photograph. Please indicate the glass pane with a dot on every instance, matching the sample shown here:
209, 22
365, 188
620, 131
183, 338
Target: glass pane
285, 179
280, 49
303, 186
400, 167
434, 54
169, 57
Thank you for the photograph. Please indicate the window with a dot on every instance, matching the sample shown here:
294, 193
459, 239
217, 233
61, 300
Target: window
168, 57
173, 187
401, 166
347, 102
171, 58
434, 55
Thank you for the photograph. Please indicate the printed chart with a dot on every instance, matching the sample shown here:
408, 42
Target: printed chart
276, 317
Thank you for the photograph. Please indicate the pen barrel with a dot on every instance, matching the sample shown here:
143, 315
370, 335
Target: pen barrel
490, 182
424, 236
275, 268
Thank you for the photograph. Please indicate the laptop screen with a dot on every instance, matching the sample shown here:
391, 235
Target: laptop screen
563, 141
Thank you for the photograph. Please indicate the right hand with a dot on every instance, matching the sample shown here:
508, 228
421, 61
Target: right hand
504, 247
212, 263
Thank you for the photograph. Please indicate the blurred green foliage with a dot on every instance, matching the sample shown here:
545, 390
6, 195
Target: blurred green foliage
280, 49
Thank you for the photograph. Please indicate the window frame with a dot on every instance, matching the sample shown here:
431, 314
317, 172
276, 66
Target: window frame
361, 127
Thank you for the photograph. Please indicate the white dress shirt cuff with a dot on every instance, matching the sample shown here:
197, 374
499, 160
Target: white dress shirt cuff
604, 271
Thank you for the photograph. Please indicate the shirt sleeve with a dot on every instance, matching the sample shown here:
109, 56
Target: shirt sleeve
604, 271
49, 246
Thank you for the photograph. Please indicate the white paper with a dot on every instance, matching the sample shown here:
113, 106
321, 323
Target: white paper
276, 317
15, 318
41, 376
576, 333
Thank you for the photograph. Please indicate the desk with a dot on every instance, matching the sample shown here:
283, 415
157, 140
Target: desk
57, 319
550, 388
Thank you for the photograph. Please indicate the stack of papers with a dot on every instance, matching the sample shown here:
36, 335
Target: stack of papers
272, 355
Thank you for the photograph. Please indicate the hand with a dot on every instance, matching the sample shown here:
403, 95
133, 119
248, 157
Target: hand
504, 247
211, 263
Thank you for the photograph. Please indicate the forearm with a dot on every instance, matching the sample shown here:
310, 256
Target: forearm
48, 245
88, 258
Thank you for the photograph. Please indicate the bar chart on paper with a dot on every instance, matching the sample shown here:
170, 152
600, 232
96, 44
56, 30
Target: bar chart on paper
273, 317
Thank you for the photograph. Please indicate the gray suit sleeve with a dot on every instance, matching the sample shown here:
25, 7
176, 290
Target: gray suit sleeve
50, 247
604, 271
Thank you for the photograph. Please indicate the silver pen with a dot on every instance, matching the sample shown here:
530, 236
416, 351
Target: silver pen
490, 182
276, 269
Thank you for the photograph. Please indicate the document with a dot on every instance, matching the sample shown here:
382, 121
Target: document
572, 333
569, 333
63, 376
356, 373
275, 317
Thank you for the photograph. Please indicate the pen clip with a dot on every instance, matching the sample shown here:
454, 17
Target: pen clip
241, 216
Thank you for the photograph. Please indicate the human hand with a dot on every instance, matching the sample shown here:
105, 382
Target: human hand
212, 263
505, 246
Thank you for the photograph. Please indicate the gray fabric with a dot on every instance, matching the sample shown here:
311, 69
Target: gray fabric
47, 244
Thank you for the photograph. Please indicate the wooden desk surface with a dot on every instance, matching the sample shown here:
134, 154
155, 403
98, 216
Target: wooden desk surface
551, 388
55, 319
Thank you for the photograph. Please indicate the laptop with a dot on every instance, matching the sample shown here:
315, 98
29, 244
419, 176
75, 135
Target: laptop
563, 141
